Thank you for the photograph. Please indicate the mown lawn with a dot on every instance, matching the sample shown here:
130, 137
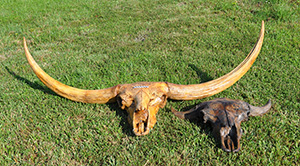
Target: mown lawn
98, 44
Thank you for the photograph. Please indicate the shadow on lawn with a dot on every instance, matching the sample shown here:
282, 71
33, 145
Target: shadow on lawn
31, 84
204, 127
124, 124
204, 77
126, 127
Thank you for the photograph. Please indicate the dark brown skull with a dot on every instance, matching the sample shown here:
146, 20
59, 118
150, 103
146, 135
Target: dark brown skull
226, 116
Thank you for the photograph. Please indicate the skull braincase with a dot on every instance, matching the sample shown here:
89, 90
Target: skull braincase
142, 100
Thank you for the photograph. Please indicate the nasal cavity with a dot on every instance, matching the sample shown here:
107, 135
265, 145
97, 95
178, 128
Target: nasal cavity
233, 136
141, 115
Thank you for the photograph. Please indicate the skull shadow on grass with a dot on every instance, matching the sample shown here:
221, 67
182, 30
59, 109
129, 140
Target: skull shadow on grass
126, 127
204, 127
112, 106
203, 76
34, 85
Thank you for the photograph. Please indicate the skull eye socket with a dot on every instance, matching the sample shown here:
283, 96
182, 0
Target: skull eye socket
119, 101
125, 102
157, 100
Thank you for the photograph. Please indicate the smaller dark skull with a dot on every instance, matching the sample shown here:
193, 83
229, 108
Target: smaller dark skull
225, 116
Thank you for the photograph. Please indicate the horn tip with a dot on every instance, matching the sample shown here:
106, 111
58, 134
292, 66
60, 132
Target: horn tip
177, 113
258, 111
173, 110
24, 42
269, 103
263, 25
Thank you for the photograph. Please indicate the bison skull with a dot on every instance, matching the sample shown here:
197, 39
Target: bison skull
142, 100
226, 116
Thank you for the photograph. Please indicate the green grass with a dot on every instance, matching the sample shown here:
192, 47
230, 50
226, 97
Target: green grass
98, 44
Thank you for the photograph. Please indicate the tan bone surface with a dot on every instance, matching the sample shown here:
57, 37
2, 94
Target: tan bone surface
142, 101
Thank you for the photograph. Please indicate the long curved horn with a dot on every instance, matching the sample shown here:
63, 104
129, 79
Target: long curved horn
80, 95
198, 91
257, 111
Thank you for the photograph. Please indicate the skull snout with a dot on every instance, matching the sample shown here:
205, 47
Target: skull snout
141, 122
230, 144
230, 139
